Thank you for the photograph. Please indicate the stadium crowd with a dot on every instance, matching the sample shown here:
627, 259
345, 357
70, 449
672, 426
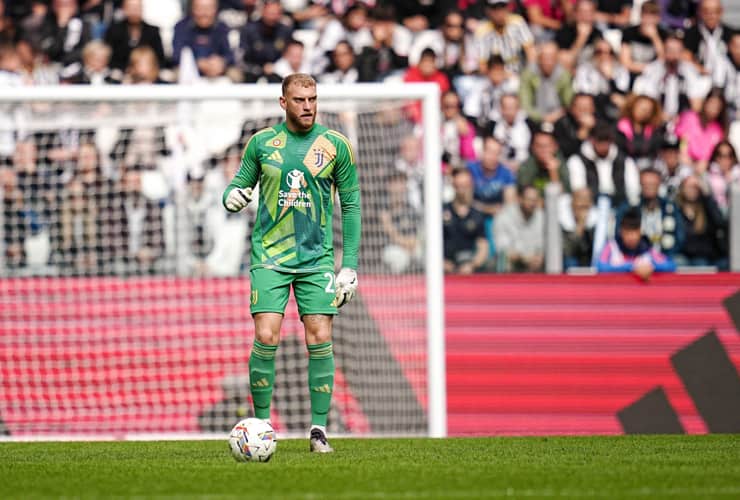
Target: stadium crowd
631, 108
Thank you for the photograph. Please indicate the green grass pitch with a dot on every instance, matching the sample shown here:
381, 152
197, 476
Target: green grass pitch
694, 467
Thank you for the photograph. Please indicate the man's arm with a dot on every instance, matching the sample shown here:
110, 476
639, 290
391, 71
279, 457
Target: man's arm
348, 186
248, 173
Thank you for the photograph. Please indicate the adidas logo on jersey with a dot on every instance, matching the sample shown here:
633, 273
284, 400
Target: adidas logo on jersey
321, 388
276, 157
261, 383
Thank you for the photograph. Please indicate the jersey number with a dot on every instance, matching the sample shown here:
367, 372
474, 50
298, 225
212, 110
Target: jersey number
330, 285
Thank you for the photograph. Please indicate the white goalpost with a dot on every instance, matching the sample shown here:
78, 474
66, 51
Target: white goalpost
123, 304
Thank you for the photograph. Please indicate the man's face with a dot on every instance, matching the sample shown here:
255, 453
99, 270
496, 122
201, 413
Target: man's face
529, 200
509, 108
601, 147
548, 58
294, 56
491, 154
450, 106
299, 104
711, 13
581, 106
132, 10
463, 185
453, 28
670, 157
427, 66
630, 237
204, 13
649, 185
497, 14
271, 13
543, 147
734, 48
585, 12
673, 51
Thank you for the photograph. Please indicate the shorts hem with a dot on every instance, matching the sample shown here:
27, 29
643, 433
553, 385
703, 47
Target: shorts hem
266, 310
328, 313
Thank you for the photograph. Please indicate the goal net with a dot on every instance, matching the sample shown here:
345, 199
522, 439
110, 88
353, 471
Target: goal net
124, 293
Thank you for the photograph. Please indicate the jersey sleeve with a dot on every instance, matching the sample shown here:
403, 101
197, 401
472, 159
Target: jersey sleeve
248, 173
345, 178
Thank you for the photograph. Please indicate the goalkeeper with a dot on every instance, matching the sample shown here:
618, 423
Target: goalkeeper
298, 164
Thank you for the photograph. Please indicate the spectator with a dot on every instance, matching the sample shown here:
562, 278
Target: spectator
578, 225
420, 15
723, 172
342, 68
206, 38
660, 222
706, 242
614, 14
201, 223
672, 170
94, 69
576, 40
702, 131
425, 72
34, 200
465, 247
231, 230
678, 83
143, 236
604, 169
457, 132
504, 34
262, 42
519, 233
643, 44
292, 61
142, 67
493, 181
732, 80
483, 103
352, 26
604, 78
631, 252
544, 165
512, 132
92, 219
381, 59
640, 130
131, 32
451, 44
13, 229
546, 17
401, 223
706, 42
409, 162
677, 15
575, 127
35, 68
63, 33
8, 31
546, 88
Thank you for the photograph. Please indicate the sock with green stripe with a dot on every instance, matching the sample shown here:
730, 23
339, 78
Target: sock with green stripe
320, 380
262, 377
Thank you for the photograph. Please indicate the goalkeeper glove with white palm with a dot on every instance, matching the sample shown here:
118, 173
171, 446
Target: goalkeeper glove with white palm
346, 286
238, 199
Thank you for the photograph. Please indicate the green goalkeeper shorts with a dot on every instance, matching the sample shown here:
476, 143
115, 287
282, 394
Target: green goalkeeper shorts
314, 292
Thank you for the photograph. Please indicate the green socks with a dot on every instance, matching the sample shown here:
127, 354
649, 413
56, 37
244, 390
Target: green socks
262, 377
320, 380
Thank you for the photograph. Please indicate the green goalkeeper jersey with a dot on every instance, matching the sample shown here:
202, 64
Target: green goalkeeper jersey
298, 174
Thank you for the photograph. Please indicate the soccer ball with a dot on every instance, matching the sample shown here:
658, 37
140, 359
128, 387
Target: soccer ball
252, 440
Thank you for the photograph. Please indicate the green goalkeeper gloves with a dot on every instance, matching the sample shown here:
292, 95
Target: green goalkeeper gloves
238, 199
346, 286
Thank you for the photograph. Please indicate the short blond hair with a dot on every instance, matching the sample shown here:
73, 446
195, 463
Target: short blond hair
301, 79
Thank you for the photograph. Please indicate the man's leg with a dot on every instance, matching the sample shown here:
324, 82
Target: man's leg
262, 361
320, 376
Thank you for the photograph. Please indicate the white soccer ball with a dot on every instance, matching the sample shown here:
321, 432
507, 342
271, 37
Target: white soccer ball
252, 440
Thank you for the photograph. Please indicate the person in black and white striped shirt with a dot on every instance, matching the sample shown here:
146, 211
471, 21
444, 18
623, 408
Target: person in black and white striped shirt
504, 34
